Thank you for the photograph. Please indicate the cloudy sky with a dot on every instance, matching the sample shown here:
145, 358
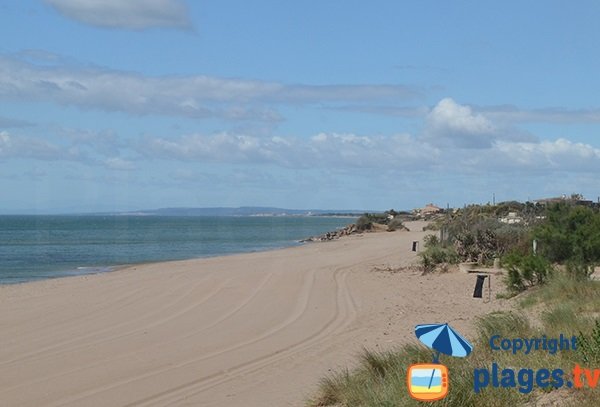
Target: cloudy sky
124, 105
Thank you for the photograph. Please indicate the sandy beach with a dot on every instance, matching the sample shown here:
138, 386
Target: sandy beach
246, 330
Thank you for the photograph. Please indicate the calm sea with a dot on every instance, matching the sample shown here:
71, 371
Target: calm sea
40, 247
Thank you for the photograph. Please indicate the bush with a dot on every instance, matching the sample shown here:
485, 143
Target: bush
436, 253
480, 245
512, 238
377, 217
525, 271
514, 281
364, 223
570, 233
589, 346
431, 241
395, 224
578, 270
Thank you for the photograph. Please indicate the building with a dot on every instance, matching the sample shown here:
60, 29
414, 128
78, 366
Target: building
511, 219
575, 199
428, 211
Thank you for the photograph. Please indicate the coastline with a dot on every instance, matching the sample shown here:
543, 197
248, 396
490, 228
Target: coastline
249, 329
106, 269
86, 245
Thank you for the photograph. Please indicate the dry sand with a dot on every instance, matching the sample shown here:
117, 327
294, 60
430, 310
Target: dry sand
246, 330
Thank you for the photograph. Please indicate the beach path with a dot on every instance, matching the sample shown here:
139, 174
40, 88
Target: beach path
255, 329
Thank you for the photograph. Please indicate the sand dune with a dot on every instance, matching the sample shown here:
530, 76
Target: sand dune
246, 330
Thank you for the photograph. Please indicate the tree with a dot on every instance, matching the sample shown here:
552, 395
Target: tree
571, 234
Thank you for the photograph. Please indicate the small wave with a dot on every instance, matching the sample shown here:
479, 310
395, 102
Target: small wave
91, 269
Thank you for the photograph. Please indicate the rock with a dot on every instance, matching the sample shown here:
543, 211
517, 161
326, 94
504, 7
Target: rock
334, 235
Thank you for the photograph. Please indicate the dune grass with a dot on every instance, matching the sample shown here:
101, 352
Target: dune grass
569, 306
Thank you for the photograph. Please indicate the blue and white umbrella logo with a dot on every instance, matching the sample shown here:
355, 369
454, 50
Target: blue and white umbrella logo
443, 339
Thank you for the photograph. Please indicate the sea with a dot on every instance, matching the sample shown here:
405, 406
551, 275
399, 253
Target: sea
42, 247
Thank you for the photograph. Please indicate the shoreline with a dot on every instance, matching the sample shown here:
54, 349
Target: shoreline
249, 329
120, 267
79, 269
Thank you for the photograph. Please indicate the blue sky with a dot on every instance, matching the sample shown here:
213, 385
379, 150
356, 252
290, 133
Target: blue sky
122, 105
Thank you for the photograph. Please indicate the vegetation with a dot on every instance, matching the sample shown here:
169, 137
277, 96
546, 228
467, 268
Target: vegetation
571, 235
569, 238
380, 378
364, 223
565, 234
474, 234
568, 248
437, 253
391, 218
525, 271
589, 346
395, 224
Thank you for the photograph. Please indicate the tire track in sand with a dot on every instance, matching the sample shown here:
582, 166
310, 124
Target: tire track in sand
58, 345
230, 313
300, 309
345, 311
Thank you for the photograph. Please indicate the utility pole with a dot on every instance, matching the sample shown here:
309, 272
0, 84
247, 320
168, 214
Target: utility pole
494, 198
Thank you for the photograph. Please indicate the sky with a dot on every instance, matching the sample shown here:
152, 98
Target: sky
112, 105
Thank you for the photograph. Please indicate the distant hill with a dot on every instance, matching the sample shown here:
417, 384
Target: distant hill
242, 211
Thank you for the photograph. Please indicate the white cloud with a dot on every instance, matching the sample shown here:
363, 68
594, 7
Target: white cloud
104, 143
30, 147
507, 115
120, 164
449, 123
195, 96
5, 142
548, 155
437, 150
449, 114
452, 124
513, 114
126, 14
396, 153
324, 150
71, 145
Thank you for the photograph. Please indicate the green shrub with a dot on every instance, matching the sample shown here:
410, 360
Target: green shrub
377, 217
570, 233
431, 241
436, 253
525, 271
514, 281
395, 224
364, 223
578, 270
512, 238
589, 346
